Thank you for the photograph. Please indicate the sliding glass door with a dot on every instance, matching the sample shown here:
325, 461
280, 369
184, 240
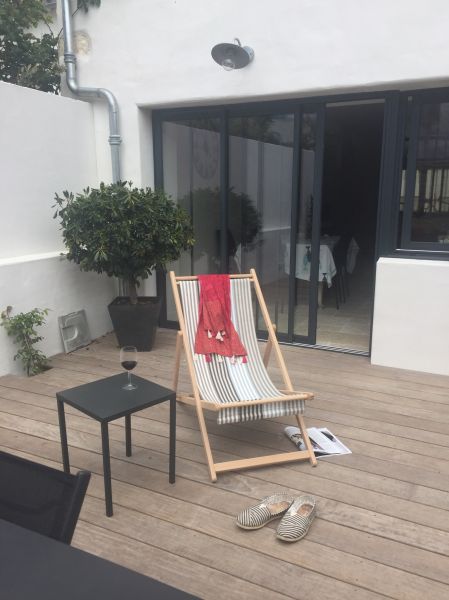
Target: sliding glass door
306, 218
191, 176
251, 183
260, 204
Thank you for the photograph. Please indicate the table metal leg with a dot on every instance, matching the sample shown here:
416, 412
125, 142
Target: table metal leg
63, 434
172, 459
128, 435
106, 468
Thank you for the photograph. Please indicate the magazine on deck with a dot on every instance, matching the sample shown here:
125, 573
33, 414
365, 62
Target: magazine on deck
323, 441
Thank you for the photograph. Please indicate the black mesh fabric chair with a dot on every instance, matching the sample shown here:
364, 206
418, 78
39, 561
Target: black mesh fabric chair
41, 498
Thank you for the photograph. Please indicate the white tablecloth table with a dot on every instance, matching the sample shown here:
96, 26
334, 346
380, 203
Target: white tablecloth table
327, 268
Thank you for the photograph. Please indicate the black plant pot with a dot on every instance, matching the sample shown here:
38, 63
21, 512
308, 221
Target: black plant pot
135, 324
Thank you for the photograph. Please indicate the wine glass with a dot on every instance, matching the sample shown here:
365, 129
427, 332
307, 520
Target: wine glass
128, 359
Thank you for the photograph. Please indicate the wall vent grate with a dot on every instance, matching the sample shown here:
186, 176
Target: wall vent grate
74, 330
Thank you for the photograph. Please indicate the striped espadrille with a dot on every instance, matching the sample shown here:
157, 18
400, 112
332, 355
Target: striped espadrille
269, 508
297, 520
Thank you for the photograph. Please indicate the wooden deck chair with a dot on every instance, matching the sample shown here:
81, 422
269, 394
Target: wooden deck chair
237, 392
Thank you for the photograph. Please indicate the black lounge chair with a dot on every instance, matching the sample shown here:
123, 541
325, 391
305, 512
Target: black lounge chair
41, 498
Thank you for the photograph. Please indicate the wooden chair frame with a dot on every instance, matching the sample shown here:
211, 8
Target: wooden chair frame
195, 399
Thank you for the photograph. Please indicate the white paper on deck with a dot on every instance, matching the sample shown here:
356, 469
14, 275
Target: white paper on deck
322, 445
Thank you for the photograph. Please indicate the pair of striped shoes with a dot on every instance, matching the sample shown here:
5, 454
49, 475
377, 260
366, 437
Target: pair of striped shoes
297, 515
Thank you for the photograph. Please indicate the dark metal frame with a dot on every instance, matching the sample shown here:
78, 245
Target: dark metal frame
406, 242
316, 227
395, 106
296, 168
54, 515
104, 423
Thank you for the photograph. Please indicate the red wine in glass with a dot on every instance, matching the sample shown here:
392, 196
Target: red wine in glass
128, 360
129, 364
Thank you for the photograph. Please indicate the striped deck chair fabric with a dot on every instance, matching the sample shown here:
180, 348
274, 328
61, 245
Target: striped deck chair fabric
221, 381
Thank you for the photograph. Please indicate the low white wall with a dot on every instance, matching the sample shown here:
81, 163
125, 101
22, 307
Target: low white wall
59, 285
47, 144
411, 315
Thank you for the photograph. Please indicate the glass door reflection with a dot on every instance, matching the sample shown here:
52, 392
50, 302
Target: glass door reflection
191, 176
303, 295
259, 205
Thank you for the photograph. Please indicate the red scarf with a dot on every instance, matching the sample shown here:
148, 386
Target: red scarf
216, 333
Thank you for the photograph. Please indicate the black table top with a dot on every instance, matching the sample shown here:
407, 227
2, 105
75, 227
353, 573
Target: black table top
37, 567
105, 400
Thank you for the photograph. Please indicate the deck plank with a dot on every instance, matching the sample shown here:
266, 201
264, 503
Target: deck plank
382, 529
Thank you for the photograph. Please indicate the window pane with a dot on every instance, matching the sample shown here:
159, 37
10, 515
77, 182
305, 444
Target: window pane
406, 144
304, 223
259, 217
191, 162
430, 217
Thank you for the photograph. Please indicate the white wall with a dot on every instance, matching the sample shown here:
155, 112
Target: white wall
47, 144
158, 54
411, 315
59, 285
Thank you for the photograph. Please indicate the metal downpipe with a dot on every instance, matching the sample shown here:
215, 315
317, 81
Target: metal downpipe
101, 93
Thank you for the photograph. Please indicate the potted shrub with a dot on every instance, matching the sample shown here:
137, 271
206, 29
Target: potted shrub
125, 232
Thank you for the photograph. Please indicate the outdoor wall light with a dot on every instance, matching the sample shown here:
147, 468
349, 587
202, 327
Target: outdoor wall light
232, 56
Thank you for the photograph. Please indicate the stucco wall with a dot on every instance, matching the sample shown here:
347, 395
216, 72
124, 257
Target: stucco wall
46, 145
157, 53
411, 316
56, 284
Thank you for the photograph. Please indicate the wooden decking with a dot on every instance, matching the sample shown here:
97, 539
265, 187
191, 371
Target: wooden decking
382, 528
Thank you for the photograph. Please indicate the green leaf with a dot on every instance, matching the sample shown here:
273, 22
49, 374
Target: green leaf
84, 4
22, 328
25, 58
123, 231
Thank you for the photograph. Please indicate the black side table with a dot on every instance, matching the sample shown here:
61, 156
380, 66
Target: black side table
105, 400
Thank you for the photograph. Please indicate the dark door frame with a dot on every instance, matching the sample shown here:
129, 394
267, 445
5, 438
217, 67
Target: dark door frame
395, 103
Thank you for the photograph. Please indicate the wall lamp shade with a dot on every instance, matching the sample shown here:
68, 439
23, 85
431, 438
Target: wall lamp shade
232, 56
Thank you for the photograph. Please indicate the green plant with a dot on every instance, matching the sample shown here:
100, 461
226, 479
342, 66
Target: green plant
123, 231
26, 59
22, 328
244, 220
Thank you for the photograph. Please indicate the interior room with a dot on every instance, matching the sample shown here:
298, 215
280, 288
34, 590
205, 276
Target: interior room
352, 154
